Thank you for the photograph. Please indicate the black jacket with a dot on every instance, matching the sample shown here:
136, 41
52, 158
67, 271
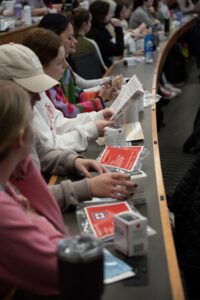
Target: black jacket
187, 219
103, 38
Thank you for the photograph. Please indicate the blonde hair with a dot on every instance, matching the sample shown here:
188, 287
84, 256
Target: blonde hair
15, 108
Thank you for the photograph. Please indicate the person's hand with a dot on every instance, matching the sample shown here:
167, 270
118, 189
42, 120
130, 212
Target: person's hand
142, 27
115, 22
84, 165
108, 91
152, 10
101, 124
117, 81
107, 113
113, 185
156, 22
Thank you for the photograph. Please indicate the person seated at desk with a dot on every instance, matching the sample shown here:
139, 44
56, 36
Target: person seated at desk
46, 44
82, 23
30, 228
188, 7
71, 83
101, 17
122, 12
38, 8
15, 63
143, 14
186, 208
53, 128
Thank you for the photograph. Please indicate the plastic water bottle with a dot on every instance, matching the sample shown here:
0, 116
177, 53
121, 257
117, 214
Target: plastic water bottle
18, 10
148, 48
131, 45
155, 36
26, 15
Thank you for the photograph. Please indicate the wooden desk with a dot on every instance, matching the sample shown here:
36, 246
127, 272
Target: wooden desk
15, 35
161, 278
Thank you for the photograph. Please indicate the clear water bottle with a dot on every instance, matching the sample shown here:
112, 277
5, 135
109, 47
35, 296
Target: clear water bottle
148, 48
18, 10
155, 36
131, 45
26, 15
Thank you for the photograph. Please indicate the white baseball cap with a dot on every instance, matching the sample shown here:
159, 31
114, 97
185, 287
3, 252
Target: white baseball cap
21, 64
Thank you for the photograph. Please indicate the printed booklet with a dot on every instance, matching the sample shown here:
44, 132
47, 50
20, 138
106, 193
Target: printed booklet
124, 158
101, 217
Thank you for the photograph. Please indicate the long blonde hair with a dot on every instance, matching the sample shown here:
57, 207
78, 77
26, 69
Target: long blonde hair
15, 109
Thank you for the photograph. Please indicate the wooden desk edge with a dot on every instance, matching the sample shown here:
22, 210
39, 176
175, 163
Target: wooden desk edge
16, 35
174, 273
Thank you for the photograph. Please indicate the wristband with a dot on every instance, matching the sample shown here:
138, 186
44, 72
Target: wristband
102, 102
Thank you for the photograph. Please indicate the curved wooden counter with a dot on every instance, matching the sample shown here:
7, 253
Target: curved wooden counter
15, 35
176, 284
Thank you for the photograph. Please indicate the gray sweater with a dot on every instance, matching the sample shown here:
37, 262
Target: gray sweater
139, 16
61, 162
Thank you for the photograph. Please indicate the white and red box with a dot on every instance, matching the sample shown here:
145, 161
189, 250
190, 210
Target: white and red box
130, 233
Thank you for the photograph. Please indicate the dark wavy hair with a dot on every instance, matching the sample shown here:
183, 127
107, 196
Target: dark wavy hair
99, 10
55, 22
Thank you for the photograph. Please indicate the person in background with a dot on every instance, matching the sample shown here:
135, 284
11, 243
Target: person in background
143, 14
21, 65
109, 26
188, 6
46, 44
62, 26
51, 126
101, 17
38, 7
71, 83
122, 12
82, 23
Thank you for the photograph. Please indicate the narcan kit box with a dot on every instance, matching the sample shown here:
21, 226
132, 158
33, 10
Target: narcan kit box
130, 233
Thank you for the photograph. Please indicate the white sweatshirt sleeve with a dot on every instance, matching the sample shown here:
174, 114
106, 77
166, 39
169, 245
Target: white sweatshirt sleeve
86, 84
61, 133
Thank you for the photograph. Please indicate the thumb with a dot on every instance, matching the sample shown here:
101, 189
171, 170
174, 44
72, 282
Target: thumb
108, 123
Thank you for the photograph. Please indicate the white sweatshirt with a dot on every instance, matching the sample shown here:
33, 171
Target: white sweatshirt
58, 132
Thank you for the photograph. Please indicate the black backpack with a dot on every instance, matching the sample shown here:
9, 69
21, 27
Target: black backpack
174, 67
192, 144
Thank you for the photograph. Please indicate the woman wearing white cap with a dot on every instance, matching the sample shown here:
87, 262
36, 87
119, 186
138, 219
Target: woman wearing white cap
52, 128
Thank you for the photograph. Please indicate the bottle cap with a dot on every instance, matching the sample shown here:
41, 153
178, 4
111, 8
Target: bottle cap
80, 248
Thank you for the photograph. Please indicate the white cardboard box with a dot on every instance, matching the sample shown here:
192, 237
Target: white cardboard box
138, 192
130, 233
